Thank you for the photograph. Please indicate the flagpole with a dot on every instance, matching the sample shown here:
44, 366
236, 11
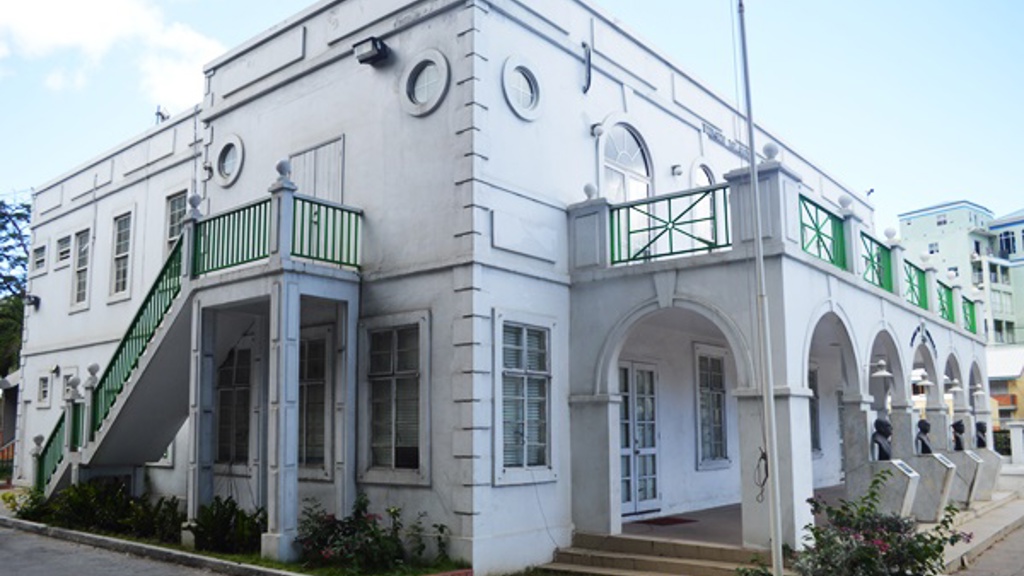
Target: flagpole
764, 364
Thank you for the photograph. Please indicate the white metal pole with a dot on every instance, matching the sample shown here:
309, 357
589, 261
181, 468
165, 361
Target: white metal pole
764, 364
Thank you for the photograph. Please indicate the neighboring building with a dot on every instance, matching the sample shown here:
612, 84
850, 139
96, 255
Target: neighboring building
971, 247
513, 291
1006, 382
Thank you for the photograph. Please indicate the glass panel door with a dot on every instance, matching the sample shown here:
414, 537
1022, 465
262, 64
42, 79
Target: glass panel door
638, 438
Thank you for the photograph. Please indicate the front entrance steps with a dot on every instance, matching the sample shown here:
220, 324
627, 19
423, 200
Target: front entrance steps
637, 556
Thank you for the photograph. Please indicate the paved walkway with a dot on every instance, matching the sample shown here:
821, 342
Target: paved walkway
26, 554
1005, 558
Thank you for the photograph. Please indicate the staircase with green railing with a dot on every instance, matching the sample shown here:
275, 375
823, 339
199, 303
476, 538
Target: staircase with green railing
320, 231
140, 332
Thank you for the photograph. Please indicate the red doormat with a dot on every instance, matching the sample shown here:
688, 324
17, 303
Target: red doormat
666, 521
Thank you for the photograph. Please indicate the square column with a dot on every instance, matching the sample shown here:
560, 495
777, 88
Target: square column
202, 429
796, 485
282, 462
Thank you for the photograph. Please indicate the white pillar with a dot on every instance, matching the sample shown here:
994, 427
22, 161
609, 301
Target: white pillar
283, 423
199, 483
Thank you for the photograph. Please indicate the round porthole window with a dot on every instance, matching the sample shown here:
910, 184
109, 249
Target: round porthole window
522, 91
425, 83
229, 161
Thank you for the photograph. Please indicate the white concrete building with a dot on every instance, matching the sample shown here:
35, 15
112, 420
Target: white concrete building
512, 290
968, 244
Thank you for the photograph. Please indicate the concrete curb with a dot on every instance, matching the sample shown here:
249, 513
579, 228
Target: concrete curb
145, 550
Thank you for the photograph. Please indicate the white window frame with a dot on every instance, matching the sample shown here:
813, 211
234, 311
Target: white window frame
369, 474
169, 222
77, 268
62, 261
717, 352
323, 470
814, 408
37, 260
235, 467
44, 390
125, 256
511, 476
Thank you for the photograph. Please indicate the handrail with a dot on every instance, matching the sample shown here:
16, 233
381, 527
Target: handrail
687, 222
141, 330
944, 295
821, 233
232, 238
970, 315
51, 455
877, 263
325, 232
914, 278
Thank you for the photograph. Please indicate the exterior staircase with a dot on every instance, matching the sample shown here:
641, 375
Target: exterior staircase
637, 556
130, 414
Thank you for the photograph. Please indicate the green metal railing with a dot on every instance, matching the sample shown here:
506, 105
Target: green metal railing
821, 233
140, 332
51, 455
970, 316
915, 285
877, 262
232, 238
325, 232
687, 222
944, 295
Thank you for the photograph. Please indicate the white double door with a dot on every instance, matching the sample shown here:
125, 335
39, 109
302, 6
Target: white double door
638, 428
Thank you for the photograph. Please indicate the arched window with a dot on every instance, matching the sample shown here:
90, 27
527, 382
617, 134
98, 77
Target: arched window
703, 176
627, 170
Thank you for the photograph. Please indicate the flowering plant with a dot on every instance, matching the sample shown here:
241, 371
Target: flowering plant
857, 539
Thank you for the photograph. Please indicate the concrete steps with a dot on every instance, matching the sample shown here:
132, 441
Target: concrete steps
636, 556
988, 522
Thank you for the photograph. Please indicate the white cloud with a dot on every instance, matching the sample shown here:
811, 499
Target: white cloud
169, 55
58, 80
172, 67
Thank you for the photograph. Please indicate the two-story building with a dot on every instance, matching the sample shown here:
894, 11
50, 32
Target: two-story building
506, 279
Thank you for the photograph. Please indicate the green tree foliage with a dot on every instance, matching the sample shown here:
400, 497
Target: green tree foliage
14, 243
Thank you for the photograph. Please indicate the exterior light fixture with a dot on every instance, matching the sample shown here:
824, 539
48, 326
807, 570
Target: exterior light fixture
371, 51
33, 301
880, 370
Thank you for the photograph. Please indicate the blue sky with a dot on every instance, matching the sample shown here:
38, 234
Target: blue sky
922, 100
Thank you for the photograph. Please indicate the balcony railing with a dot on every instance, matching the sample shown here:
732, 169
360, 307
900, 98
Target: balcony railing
914, 280
970, 316
944, 295
821, 233
325, 232
877, 262
695, 221
232, 239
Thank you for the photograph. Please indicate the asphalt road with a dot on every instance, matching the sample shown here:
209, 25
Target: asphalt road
25, 554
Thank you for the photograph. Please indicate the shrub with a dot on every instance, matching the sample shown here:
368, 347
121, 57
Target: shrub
1001, 442
357, 541
102, 505
161, 520
26, 504
858, 539
222, 526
